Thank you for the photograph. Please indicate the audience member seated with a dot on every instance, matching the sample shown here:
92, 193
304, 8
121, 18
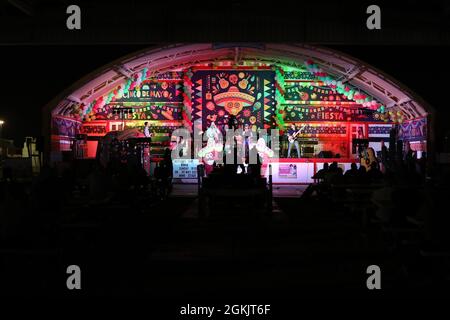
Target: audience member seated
374, 175
334, 174
362, 175
320, 175
351, 175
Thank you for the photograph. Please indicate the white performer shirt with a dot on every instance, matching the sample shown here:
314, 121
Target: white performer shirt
147, 132
212, 132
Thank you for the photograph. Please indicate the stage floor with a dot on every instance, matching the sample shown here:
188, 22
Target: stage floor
294, 171
279, 191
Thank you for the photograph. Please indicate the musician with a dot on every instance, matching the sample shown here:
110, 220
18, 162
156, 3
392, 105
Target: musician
213, 132
367, 157
362, 147
232, 122
181, 146
147, 132
146, 151
249, 137
292, 132
360, 133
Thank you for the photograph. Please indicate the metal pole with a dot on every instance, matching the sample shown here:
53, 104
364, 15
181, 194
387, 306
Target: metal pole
270, 189
431, 145
199, 190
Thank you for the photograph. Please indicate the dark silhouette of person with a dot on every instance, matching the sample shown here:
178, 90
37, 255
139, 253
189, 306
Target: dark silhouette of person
254, 168
351, 175
232, 122
362, 175
384, 153
353, 171
334, 173
374, 175
320, 175
165, 172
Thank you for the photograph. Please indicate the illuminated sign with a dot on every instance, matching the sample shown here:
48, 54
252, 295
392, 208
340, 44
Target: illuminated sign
157, 91
185, 168
94, 129
287, 170
328, 113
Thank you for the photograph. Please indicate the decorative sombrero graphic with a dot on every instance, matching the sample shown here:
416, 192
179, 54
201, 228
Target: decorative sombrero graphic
233, 100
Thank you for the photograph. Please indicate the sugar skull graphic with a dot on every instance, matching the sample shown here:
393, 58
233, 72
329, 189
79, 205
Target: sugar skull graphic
233, 100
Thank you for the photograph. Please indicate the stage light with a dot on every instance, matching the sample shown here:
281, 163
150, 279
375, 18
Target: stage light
1, 122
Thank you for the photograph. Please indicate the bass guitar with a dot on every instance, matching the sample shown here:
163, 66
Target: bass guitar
367, 158
292, 137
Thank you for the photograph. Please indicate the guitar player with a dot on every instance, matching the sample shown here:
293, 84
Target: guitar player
292, 138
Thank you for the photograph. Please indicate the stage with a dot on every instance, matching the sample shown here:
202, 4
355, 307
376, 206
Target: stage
191, 109
285, 171
184, 190
291, 171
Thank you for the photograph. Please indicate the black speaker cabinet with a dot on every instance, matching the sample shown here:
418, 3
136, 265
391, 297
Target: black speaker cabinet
325, 154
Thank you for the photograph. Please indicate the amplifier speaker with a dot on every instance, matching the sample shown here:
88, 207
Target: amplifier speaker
307, 152
325, 154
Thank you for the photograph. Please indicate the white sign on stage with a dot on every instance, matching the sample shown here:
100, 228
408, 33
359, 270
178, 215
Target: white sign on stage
185, 168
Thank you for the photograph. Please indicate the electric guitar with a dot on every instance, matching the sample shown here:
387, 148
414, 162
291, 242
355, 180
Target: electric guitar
292, 137
367, 158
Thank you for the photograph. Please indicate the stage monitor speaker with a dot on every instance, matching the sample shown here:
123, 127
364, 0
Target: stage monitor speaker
325, 154
307, 152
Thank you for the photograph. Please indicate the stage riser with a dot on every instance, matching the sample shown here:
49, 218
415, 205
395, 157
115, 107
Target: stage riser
300, 171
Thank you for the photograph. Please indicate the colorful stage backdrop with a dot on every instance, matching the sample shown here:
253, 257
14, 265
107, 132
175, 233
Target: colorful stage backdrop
248, 95
261, 96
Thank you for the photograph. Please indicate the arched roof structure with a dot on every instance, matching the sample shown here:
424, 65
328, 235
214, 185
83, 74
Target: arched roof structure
349, 70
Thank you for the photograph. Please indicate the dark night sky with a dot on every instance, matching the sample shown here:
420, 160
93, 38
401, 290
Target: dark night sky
36, 74
33, 75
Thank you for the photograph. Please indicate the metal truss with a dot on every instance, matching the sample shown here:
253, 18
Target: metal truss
180, 57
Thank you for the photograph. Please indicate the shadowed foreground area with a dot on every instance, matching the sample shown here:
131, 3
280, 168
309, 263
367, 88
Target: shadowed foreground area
135, 241
166, 251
